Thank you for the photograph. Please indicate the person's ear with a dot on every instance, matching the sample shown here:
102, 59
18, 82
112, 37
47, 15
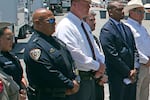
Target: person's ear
37, 22
110, 12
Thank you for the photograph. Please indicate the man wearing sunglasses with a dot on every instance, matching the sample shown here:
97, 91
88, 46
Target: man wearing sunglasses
50, 67
142, 39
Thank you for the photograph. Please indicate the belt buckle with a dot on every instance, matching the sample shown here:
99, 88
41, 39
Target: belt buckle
76, 72
91, 78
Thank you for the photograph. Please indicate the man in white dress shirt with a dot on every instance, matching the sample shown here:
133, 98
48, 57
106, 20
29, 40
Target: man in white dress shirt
142, 39
90, 63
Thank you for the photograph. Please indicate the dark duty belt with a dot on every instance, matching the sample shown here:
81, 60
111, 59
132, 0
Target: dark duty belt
53, 92
35, 92
86, 75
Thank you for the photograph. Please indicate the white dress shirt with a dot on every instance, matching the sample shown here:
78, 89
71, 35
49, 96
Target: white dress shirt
69, 30
142, 39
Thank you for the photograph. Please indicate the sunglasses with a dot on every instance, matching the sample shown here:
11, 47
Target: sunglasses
51, 20
139, 12
92, 19
9, 37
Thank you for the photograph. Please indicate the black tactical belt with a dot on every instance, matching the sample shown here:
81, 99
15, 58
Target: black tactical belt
86, 75
53, 92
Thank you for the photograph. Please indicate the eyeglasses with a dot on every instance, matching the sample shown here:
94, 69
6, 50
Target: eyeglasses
139, 12
92, 19
10, 38
51, 20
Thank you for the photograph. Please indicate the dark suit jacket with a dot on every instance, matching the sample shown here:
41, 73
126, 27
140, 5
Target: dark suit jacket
119, 53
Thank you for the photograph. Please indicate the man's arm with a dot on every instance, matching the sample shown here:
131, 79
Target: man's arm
74, 41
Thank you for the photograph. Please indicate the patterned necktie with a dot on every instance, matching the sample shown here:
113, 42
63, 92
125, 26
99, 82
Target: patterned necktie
89, 41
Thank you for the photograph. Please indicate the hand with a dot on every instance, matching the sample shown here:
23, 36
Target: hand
103, 80
100, 71
74, 89
23, 94
148, 63
132, 76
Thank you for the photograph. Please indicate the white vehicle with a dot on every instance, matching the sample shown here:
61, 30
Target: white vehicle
66, 4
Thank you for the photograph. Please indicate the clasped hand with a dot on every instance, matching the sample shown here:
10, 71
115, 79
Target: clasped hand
100, 71
99, 74
133, 75
23, 94
74, 89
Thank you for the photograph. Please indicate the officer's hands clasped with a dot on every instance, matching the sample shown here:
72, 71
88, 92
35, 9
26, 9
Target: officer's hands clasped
23, 94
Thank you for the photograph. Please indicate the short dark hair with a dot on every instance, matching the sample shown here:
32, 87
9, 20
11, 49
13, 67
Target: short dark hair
2, 30
91, 12
74, 0
111, 4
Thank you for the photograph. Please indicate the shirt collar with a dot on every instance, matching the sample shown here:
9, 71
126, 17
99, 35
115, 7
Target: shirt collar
133, 22
74, 19
115, 22
43, 35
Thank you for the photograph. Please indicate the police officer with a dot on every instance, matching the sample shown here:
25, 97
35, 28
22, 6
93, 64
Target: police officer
9, 63
49, 64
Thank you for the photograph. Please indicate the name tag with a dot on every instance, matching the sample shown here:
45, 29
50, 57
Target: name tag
8, 62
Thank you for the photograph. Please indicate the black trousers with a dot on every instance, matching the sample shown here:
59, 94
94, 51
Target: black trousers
45, 97
120, 91
99, 92
33, 95
86, 91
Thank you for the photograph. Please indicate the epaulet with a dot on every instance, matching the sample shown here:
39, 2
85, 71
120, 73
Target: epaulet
13, 55
36, 39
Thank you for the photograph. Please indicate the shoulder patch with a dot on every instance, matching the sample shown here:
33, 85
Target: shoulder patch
35, 54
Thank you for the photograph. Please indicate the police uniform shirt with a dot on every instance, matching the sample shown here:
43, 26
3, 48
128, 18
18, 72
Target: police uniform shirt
11, 66
46, 66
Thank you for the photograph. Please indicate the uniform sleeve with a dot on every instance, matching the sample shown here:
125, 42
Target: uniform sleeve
46, 72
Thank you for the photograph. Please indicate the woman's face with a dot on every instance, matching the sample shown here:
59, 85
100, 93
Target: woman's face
6, 40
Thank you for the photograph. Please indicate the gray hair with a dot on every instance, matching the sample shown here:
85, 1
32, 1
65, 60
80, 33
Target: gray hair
91, 12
